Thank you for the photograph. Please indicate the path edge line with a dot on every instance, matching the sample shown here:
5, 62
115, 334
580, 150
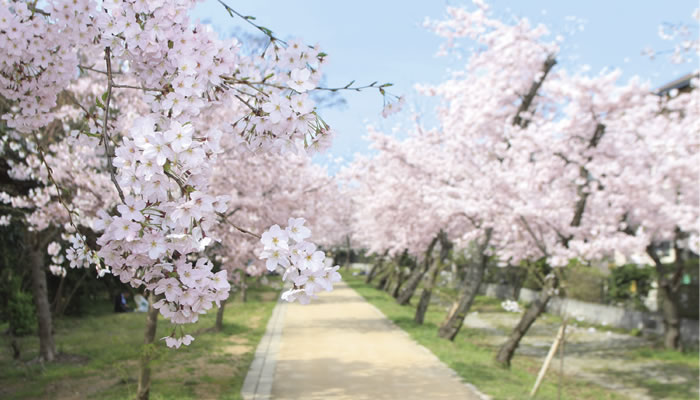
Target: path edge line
258, 381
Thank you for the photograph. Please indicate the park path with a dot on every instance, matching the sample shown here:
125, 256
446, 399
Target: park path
341, 347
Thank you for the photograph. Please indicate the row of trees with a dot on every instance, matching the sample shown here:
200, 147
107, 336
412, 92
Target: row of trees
529, 165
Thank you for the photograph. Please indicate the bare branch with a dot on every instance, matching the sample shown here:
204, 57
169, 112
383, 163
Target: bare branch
530, 95
105, 135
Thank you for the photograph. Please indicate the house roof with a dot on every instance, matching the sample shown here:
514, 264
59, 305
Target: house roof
680, 83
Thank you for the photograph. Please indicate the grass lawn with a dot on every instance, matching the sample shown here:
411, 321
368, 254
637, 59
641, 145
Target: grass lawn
99, 356
471, 357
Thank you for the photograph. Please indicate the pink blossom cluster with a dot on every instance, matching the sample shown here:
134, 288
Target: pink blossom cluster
133, 96
304, 266
584, 167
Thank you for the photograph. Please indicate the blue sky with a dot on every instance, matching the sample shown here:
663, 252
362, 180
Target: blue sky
383, 40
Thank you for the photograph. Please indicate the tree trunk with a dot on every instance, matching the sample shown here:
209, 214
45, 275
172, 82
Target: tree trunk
400, 282
244, 287
433, 272
669, 300
427, 292
47, 349
347, 259
58, 298
61, 304
392, 277
144, 387
416, 275
671, 317
507, 350
384, 274
219, 325
376, 267
468, 290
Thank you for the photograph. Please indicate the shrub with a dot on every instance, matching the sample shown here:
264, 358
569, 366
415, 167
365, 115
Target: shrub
20, 312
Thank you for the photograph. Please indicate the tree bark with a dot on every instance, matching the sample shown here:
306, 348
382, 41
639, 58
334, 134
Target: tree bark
47, 349
144, 386
416, 275
61, 304
244, 287
347, 259
468, 291
400, 282
219, 325
532, 92
668, 288
376, 267
384, 274
433, 272
671, 316
58, 298
507, 350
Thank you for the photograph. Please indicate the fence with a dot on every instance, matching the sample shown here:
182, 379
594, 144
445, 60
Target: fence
647, 322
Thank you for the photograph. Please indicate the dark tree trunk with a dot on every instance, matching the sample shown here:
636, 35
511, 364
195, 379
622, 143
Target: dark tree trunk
671, 317
244, 287
347, 259
61, 304
401, 281
507, 350
376, 268
433, 272
47, 349
668, 288
384, 274
416, 275
144, 386
219, 325
468, 290
58, 298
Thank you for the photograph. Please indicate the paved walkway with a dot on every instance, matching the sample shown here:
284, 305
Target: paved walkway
341, 347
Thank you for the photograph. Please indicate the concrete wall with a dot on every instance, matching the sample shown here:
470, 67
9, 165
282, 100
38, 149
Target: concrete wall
600, 314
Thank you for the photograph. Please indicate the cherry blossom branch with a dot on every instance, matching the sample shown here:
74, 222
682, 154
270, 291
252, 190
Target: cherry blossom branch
249, 19
97, 70
224, 218
530, 96
538, 242
145, 89
105, 134
583, 173
76, 102
49, 173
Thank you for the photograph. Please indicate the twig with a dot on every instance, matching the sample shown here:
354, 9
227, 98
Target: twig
249, 20
97, 70
76, 102
105, 135
242, 230
114, 85
49, 172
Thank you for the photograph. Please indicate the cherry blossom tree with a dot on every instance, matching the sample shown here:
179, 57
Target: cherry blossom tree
535, 165
172, 94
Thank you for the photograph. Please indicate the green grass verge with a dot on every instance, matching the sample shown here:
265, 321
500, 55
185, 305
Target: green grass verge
472, 358
100, 356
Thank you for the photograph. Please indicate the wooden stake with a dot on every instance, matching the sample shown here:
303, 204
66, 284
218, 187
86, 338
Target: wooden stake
548, 360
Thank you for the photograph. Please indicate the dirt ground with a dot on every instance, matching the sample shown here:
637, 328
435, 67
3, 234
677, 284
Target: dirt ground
597, 355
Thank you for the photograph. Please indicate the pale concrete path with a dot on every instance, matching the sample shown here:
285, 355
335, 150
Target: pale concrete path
341, 347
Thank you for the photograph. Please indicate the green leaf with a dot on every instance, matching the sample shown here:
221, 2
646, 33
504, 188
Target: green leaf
104, 96
99, 104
